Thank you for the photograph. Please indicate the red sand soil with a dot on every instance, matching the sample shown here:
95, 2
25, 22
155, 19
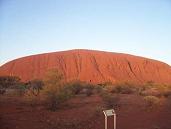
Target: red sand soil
82, 113
91, 66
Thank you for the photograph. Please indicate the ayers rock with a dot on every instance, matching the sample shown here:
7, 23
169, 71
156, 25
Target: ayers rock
91, 66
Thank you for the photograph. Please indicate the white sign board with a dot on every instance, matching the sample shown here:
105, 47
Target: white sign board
110, 112
107, 113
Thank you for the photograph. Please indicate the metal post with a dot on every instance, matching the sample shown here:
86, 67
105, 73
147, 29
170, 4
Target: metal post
114, 121
105, 122
105, 119
107, 113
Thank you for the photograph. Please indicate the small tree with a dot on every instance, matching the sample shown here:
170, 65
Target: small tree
74, 87
53, 77
54, 89
35, 86
7, 82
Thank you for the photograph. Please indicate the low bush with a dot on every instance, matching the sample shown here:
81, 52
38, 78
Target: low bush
110, 101
88, 89
151, 101
17, 90
98, 89
104, 84
35, 86
78, 87
153, 89
11, 85
9, 81
21, 89
74, 87
124, 88
55, 95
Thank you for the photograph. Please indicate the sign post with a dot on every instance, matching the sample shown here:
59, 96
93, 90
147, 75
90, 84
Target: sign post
107, 113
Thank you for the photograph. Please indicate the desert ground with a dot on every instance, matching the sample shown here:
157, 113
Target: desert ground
84, 112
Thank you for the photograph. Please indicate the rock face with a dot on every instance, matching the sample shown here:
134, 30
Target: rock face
91, 66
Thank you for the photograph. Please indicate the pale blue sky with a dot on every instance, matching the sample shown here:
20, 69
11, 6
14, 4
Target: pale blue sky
138, 27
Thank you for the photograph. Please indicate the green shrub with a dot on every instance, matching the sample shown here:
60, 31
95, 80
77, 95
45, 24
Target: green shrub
21, 89
17, 90
74, 87
110, 101
153, 89
54, 90
9, 82
78, 87
151, 101
124, 88
104, 84
88, 89
98, 89
34, 87
164, 90
55, 96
